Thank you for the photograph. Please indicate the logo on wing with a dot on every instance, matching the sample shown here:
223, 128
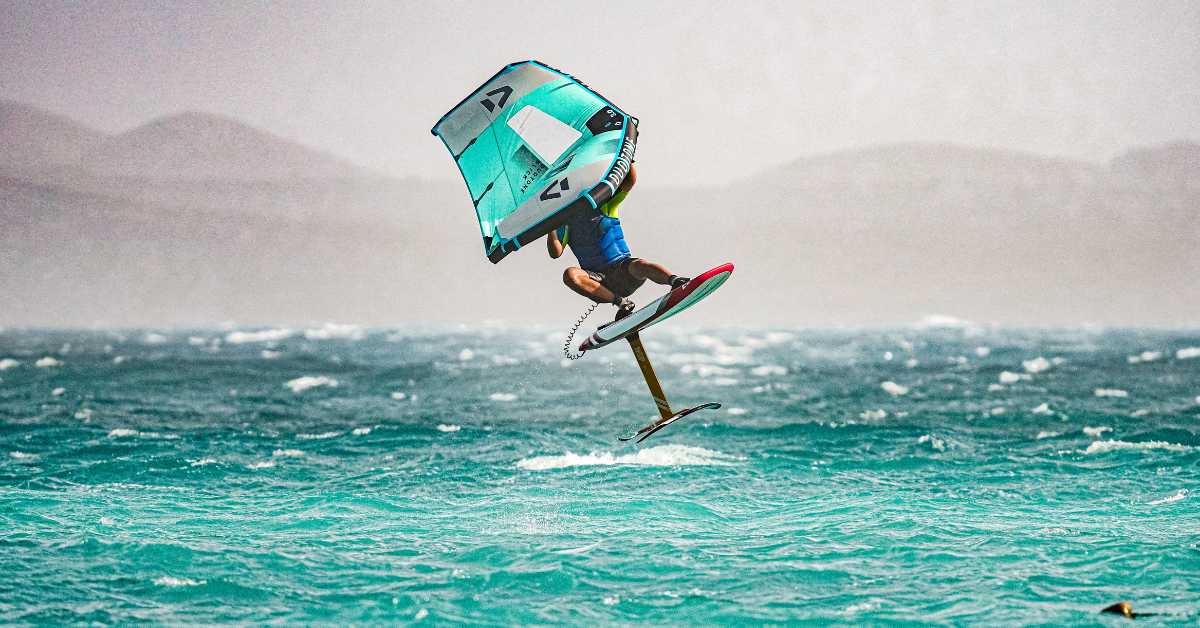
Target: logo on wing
555, 189
502, 93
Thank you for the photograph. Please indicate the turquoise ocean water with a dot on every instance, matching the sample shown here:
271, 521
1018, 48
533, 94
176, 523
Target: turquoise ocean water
338, 475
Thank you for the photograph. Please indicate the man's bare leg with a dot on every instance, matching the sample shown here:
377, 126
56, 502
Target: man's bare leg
643, 269
578, 280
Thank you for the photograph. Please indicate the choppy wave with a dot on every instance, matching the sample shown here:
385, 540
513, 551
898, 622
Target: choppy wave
1105, 446
659, 456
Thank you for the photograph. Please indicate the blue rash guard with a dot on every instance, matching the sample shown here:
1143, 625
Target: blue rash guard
596, 239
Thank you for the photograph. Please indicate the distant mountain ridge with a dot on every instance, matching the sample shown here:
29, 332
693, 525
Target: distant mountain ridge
189, 146
31, 138
268, 231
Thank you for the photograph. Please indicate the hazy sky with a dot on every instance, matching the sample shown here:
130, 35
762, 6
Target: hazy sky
722, 90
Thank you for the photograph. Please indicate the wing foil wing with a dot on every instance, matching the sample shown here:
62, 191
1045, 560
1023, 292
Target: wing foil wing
534, 145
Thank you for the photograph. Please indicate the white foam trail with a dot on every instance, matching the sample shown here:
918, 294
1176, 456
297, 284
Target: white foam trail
1095, 432
8, 363
1111, 392
266, 335
660, 456
1104, 446
1179, 495
301, 384
442, 427
737, 411
1187, 353
502, 397
171, 581
894, 389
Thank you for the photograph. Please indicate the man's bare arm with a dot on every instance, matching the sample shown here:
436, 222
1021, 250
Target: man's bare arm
553, 246
630, 179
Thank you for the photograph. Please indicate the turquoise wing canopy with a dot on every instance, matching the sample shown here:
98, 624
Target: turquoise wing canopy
535, 145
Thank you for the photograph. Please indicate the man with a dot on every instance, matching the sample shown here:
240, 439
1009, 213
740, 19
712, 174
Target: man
607, 273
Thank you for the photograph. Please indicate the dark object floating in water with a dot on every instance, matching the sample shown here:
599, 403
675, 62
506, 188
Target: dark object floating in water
1125, 609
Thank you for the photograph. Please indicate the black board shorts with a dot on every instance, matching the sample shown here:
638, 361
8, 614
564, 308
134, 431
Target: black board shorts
617, 278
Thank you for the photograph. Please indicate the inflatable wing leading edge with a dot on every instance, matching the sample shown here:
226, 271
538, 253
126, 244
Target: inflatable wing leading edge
535, 145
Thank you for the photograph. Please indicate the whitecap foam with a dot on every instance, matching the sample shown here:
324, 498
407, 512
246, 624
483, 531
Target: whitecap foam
287, 453
172, 581
1046, 434
737, 411
502, 397
1145, 356
660, 456
47, 362
331, 331
894, 389
768, 369
1179, 495
265, 464
443, 427
8, 363
933, 441
321, 436
995, 387
204, 462
1044, 408
197, 341
983, 352
122, 432
362, 431
120, 359
399, 396
1187, 353
1104, 446
1009, 377
945, 321
301, 384
58, 392
265, 335
20, 455
706, 370
873, 415
465, 355
1095, 432
153, 338
1036, 365
1111, 392
268, 354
